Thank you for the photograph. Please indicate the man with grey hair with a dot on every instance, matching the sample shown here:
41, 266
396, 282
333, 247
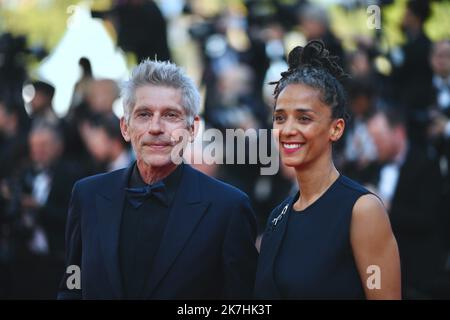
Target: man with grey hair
314, 23
158, 230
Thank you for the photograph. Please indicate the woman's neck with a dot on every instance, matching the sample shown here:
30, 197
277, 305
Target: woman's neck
314, 182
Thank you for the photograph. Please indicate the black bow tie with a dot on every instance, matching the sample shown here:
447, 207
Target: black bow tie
136, 196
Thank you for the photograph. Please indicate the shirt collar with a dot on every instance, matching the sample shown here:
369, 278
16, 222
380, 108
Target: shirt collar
441, 83
401, 157
122, 161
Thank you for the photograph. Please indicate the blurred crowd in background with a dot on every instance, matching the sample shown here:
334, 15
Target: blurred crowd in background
396, 140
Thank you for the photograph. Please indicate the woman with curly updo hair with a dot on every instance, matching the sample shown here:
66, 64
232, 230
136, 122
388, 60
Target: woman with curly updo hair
333, 239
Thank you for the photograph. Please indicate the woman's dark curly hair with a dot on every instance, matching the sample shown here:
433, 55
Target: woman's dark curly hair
313, 65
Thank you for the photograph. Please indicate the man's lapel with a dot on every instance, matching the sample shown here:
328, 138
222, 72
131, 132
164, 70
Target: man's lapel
185, 213
109, 205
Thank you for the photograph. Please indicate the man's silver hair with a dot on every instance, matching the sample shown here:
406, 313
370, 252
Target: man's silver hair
165, 74
315, 12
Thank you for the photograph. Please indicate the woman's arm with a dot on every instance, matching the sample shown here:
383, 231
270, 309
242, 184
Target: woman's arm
375, 249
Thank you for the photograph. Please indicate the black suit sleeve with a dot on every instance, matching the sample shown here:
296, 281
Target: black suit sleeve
239, 252
73, 249
415, 206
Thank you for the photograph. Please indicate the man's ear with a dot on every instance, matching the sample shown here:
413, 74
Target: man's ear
194, 128
337, 130
124, 129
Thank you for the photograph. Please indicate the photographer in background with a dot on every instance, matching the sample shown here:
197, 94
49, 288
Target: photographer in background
39, 197
13, 52
140, 26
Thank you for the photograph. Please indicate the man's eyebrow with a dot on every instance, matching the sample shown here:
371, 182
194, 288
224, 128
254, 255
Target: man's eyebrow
164, 108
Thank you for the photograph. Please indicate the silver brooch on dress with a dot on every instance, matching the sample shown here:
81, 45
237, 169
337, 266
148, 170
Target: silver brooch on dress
280, 216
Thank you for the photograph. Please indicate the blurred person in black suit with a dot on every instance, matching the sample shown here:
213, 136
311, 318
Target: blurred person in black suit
439, 128
410, 184
44, 193
412, 75
359, 151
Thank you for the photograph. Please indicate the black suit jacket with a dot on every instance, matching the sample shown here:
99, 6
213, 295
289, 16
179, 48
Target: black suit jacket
52, 215
415, 215
207, 250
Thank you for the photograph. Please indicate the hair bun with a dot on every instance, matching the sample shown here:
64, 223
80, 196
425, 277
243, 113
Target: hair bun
294, 57
310, 54
316, 55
